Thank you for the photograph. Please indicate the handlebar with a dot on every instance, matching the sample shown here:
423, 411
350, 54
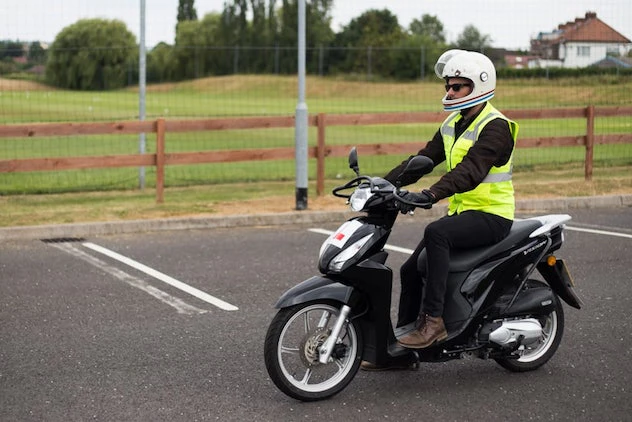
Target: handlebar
397, 193
354, 183
411, 203
359, 181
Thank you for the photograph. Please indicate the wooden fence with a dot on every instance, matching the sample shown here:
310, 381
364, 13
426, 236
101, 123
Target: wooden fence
321, 151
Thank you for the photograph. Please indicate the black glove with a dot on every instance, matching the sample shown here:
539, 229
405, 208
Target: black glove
424, 199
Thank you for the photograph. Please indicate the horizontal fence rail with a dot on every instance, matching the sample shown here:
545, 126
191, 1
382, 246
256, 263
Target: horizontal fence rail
320, 152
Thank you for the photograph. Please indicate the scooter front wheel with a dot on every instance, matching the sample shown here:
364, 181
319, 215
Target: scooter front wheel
291, 351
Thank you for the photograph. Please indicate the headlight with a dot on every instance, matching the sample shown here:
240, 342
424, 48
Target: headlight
359, 197
339, 261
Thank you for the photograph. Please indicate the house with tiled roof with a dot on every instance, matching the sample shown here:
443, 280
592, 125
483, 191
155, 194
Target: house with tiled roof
580, 43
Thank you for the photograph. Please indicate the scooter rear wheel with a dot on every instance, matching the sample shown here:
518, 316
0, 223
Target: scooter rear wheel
291, 351
533, 357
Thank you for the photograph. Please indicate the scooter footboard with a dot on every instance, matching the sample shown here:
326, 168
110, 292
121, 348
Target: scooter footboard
313, 288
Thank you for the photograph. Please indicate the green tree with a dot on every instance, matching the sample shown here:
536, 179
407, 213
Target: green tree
198, 51
234, 23
161, 63
189, 42
11, 49
414, 57
186, 11
318, 32
472, 39
429, 26
92, 54
262, 36
37, 54
368, 39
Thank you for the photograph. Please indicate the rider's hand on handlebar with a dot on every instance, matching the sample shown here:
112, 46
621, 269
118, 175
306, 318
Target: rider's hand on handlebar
424, 199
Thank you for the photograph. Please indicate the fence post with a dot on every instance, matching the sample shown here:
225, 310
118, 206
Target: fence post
160, 160
320, 155
590, 141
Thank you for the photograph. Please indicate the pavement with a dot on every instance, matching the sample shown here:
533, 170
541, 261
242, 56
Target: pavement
78, 230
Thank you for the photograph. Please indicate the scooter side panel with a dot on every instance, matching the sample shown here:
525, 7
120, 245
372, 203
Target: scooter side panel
457, 310
468, 294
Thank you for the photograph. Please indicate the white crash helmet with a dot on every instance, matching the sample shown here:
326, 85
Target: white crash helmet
474, 66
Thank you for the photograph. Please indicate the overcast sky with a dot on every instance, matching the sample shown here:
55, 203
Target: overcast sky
509, 23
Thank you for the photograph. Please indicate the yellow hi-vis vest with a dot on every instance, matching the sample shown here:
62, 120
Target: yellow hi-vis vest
495, 194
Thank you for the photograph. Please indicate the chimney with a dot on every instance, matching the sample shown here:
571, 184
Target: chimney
591, 15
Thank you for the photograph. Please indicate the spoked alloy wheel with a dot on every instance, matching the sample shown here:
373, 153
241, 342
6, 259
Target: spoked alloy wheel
535, 355
291, 351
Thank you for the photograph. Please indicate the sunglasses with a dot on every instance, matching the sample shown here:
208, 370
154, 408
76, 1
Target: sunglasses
455, 87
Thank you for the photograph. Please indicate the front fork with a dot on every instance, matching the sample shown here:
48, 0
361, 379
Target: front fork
324, 351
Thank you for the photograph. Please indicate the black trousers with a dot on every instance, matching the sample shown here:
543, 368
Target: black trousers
427, 278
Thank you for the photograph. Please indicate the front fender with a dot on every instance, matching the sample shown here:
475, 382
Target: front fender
313, 288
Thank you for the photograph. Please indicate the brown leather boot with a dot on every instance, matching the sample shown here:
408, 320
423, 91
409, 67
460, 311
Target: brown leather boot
431, 331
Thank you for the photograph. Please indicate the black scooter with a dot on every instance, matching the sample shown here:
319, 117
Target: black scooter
494, 309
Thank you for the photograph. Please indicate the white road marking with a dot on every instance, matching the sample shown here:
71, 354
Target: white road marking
163, 277
180, 306
604, 232
410, 251
321, 231
387, 246
593, 231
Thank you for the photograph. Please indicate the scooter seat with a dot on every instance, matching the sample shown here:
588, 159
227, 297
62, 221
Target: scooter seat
466, 259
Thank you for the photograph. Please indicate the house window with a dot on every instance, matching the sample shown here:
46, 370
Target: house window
583, 51
612, 51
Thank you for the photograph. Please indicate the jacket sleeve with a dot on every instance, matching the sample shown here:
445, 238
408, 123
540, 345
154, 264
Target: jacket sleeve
493, 148
433, 150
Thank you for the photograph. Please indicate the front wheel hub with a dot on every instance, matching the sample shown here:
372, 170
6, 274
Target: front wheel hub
310, 345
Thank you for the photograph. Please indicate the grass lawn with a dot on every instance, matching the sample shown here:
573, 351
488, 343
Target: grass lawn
86, 195
263, 197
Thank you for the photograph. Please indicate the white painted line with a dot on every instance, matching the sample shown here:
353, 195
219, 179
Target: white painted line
321, 231
410, 251
387, 246
163, 277
593, 231
180, 306
398, 249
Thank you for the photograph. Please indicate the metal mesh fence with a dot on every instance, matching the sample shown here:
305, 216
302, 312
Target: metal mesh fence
242, 92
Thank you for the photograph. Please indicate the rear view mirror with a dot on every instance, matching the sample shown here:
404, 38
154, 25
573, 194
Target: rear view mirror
353, 161
419, 165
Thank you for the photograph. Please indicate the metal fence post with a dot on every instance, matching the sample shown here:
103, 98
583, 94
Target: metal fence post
160, 160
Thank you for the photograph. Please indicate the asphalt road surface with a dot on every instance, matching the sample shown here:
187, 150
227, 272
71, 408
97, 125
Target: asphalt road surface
170, 327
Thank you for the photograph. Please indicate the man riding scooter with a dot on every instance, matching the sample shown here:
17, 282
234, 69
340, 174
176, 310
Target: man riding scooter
476, 142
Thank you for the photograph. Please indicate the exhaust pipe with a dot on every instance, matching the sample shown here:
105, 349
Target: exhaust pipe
529, 330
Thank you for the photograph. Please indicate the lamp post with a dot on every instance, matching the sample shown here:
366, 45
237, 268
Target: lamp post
141, 90
301, 117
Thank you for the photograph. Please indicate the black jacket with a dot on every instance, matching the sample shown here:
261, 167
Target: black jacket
493, 148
